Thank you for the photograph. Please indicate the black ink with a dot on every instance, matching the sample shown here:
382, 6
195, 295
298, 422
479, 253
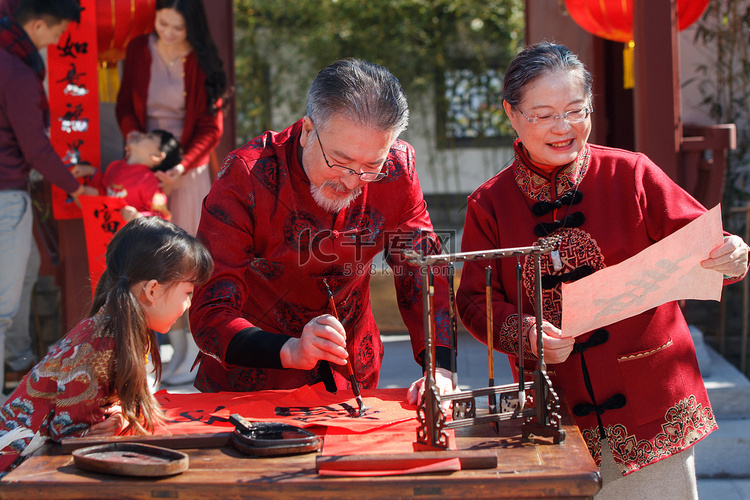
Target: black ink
70, 49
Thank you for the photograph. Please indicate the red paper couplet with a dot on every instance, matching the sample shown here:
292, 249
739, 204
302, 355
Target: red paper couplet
74, 101
101, 220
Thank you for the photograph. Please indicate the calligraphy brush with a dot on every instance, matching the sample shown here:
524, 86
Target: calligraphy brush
490, 339
452, 326
521, 382
350, 369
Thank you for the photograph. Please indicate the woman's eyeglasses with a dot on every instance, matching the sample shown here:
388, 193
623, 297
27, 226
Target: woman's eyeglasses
572, 116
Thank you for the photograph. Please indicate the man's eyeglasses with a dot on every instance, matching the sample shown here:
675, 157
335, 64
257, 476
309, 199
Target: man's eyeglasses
572, 116
364, 176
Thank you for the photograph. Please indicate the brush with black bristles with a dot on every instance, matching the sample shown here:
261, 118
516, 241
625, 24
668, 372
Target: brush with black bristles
352, 378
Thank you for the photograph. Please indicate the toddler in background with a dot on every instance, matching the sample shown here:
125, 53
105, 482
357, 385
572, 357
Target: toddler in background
133, 178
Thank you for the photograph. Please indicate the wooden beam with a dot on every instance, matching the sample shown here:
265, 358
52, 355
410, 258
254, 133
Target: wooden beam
173, 441
75, 284
658, 122
220, 14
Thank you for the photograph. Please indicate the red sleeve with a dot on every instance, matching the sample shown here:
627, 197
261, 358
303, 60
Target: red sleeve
130, 108
663, 198
202, 129
665, 206
22, 99
481, 233
216, 314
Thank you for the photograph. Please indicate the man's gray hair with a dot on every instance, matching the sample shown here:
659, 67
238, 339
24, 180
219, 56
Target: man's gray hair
366, 93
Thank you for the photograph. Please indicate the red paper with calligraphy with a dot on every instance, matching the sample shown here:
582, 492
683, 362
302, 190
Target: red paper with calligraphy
388, 427
307, 406
101, 220
74, 101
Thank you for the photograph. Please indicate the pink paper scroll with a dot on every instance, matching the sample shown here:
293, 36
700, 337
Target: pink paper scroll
668, 270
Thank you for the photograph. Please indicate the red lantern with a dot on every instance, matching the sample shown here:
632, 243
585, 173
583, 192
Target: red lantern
613, 19
118, 22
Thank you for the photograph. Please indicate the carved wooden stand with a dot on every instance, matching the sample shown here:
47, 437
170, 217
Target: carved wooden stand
539, 407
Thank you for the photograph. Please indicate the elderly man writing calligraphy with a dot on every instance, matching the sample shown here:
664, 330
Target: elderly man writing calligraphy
316, 201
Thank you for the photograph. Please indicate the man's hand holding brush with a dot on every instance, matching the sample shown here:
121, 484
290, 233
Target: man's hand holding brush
323, 338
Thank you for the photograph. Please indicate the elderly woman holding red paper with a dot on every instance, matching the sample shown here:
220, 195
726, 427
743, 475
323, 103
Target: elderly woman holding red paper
634, 387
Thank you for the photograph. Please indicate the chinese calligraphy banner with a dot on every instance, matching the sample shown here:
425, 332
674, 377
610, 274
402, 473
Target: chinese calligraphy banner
74, 101
668, 270
101, 220
387, 429
307, 406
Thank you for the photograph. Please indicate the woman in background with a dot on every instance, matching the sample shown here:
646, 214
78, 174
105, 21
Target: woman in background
173, 80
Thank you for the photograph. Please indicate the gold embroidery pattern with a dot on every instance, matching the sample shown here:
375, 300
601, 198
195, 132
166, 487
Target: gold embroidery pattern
591, 436
685, 423
82, 365
538, 188
646, 353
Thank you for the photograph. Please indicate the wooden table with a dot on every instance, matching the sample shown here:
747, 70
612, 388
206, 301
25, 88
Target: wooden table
525, 470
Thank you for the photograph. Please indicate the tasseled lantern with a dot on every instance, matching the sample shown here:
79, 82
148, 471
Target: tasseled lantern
118, 22
613, 20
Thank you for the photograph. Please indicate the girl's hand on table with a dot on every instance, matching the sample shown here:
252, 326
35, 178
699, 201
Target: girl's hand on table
113, 425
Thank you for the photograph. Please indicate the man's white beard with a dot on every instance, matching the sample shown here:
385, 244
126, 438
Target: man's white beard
333, 205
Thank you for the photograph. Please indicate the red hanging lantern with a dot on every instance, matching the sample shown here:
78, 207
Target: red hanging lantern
118, 22
613, 20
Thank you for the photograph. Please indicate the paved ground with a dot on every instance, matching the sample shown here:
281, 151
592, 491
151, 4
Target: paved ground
400, 370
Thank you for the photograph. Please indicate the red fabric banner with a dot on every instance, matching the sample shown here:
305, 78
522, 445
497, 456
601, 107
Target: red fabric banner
74, 101
101, 220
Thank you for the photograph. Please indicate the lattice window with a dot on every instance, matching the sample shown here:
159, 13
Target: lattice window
473, 114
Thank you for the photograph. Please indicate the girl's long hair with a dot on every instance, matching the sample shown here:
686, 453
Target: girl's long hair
199, 37
148, 248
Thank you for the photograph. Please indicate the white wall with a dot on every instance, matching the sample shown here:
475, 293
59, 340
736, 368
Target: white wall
455, 170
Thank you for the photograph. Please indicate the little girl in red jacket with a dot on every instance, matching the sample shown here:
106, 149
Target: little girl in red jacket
94, 381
